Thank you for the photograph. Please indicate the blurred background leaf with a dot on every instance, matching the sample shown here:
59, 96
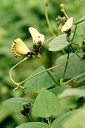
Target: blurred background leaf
68, 119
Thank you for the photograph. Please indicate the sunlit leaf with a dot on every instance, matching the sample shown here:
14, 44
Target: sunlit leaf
73, 119
74, 68
15, 104
45, 104
33, 125
72, 92
80, 31
58, 43
57, 90
66, 104
38, 82
69, 100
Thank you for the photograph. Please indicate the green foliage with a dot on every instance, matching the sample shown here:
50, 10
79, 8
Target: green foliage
79, 21
45, 104
33, 125
71, 119
18, 102
38, 82
75, 66
73, 92
59, 89
58, 43
53, 95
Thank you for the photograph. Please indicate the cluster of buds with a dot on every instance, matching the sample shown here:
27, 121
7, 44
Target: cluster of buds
66, 22
26, 109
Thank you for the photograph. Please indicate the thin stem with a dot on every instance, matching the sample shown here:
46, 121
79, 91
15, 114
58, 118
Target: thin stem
30, 118
48, 122
49, 72
65, 13
68, 39
47, 19
76, 77
10, 73
49, 68
73, 43
67, 62
53, 78
63, 10
74, 33
76, 53
63, 51
49, 39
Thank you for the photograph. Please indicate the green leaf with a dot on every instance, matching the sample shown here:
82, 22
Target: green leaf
79, 21
57, 90
58, 43
74, 68
69, 99
45, 104
79, 80
15, 104
80, 32
33, 125
38, 82
66, 104
73, 119
72, 92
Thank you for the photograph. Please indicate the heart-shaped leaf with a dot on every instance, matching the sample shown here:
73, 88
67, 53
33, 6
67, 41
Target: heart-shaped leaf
45, 104
38, 82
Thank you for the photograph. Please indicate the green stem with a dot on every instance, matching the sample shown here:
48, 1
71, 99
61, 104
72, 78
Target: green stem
68, 39
30, 118
49, 122
63, 51
49, 25
76, 53
53, 78
10, 72
65, 13
49, 39
49, 68
76, 77
74, 33
67, 62
47, 19
49, 72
